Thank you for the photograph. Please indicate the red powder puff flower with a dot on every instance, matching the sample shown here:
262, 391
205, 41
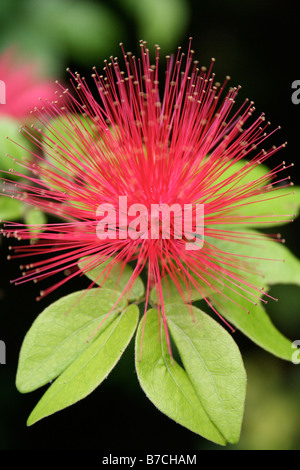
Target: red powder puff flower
21, 86
140, 147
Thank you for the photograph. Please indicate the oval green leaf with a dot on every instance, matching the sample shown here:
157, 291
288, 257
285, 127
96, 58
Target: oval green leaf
213, 364
179, 292
256, 324
167, 384
240, 173
118, 276
272, 260
274, 208
90, 368
61, 332
274, 264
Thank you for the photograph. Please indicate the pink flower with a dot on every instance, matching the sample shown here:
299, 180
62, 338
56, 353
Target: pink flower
21, 86
154, 149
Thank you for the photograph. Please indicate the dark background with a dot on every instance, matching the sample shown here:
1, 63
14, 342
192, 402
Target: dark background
257, 44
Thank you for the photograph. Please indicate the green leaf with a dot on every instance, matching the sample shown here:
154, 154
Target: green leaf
242, 171
273, 208
11, 141
214, 365
60, 333
274, 264
61, 139
171, 292
228, 175
272, 261
118, 276
254, 323
10, 209
90, 368
166, 384
277, 207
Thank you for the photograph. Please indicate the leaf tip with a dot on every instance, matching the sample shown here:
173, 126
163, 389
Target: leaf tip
31, 420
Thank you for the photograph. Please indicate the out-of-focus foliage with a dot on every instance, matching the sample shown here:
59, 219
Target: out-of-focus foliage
160, 22
56, 30
85, 31
9, 138
272, 409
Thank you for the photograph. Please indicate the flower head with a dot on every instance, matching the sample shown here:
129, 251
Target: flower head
21, 86
111, 157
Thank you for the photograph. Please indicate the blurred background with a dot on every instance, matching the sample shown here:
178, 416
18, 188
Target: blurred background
256, 43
